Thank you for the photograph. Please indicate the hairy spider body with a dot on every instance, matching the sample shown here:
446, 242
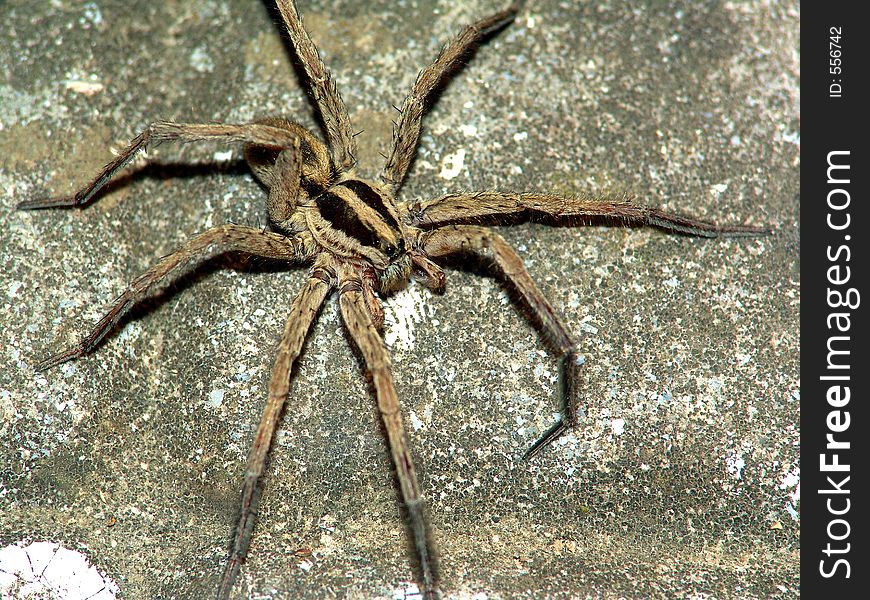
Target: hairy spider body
363, 244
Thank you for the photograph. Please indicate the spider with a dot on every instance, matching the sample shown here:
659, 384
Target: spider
364, 244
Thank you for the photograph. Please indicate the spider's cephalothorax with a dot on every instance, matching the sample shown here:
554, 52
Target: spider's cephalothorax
349, 216
361, 242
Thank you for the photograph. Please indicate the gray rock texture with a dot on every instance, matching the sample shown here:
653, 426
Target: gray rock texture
682, 478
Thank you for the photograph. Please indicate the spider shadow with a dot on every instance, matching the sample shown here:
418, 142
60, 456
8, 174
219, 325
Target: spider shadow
232, 261
481, 266
237, 261
165, 171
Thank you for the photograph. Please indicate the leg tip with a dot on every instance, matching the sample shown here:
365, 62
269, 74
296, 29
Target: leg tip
545, 440
58, 359
40, 203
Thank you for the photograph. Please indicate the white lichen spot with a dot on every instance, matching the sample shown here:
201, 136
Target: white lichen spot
68, 369
617, 426
12, 290
714, 384
792, 137
416, 422
401, 314
521, 136
734, 464
664, 46
7, 406
88, 88
201, 61
92, 14
215, 398
50, 571
306, 565
718, 188
586, 325
129, 335
452, 165
792, 479
468, 130
407, 590
223, 156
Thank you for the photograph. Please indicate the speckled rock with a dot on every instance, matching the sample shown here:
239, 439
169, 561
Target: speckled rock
683, 477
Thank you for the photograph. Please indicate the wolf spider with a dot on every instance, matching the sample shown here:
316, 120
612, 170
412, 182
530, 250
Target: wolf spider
363, 243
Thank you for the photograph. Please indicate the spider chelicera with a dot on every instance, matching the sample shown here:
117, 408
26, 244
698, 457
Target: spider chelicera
362, 243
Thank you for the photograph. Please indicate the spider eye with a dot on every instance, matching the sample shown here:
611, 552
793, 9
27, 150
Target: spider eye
392, 250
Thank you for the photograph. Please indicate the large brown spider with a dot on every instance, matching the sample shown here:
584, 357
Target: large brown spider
364, 244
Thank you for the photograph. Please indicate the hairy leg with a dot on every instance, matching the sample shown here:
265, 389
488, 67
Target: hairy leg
364, 333
479, 241
406, 132
197, 249
284, 193
164, 131
332, 109
305, 308
492, 206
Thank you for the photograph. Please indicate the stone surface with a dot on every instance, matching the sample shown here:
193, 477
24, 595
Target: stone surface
682, 479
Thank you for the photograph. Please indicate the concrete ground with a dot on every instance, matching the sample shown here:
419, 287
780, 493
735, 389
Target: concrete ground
682, 479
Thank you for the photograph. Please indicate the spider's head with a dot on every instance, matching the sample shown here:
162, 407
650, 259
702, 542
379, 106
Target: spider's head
393, 249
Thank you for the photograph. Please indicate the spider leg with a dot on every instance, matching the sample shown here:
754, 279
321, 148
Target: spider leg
406, 132
165, 131
284, 193
210, 243
332, 109
365, 335
305, 307
495, 206
486, 244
